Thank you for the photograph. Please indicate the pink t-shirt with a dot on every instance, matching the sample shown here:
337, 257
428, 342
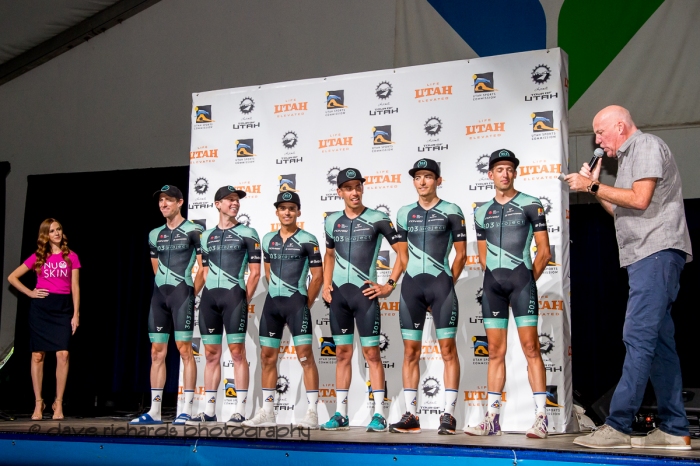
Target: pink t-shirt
55, 275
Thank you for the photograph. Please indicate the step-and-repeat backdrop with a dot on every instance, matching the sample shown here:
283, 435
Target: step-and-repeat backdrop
298, 135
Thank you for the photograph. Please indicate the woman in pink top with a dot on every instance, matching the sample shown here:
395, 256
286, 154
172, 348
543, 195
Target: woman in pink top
54, 312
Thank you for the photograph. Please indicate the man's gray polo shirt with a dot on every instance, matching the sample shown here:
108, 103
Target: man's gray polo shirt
662, 225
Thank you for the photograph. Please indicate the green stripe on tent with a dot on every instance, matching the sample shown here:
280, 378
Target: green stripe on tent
593, 32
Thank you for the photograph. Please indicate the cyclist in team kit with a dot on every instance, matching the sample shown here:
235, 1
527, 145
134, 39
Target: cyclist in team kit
227, 250
174, 249
290, 254
428, 229
353, 239
504, 231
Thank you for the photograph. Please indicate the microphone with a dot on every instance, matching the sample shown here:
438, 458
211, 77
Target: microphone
597, 155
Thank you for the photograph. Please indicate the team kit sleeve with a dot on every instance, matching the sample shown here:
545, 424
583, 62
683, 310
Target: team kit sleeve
153, 243
196, 237
252, 241
266, 246
457, 225
205, 248
313, 252
386, 228
479, 223
535, 214
330, 242
401, 227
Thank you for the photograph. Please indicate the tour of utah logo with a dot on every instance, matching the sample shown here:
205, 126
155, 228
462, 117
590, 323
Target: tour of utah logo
246, 107
432, 127
290, 140
540, 76
383, 92
482, 168
331, 177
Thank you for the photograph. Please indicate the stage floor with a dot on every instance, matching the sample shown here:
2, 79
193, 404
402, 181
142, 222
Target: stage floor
118, 428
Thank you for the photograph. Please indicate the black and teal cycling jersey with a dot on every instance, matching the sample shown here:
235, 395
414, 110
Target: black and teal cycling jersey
508, 230
227, 254
176, 251
290, 261
356, 242
430, 235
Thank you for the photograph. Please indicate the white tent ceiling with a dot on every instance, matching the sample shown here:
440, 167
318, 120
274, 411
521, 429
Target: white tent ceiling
28, 23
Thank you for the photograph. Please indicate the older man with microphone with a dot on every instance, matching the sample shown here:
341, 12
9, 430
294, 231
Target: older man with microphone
647, 205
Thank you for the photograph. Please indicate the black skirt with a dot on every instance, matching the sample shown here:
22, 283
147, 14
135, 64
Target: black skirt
49, 322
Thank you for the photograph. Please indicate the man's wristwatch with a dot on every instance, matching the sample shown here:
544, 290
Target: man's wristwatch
593, 188
392, 283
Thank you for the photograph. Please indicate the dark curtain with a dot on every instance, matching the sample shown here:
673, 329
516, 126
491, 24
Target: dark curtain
4, 171
599, 292
106, 217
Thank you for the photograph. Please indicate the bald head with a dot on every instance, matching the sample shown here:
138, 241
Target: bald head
615, 114
613, 126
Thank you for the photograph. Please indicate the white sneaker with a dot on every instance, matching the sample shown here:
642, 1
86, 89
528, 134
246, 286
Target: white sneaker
261, 419
310, 421
539, 428
489, 426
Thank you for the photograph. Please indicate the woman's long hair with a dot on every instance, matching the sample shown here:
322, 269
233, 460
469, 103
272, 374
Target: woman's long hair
43, 244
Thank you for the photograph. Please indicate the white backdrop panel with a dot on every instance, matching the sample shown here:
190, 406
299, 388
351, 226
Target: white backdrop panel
260, 135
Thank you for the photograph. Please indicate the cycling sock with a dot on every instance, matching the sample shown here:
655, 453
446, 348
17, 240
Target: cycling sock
411, 397
242, 396
268, 399
312, 398
341, 402
379, 402
494, 402
156, 402
189, 399
540, 402
210, 407
450, 400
